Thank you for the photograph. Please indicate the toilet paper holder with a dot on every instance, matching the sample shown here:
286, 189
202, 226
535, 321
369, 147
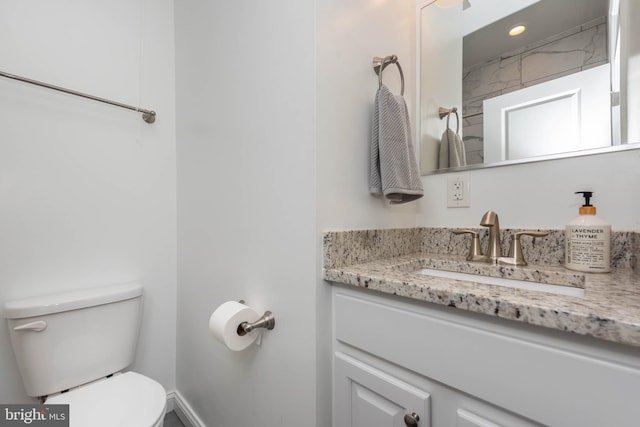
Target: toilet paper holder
267, 321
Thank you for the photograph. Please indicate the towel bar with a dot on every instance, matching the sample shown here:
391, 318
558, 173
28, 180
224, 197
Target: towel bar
379, 64
148, 116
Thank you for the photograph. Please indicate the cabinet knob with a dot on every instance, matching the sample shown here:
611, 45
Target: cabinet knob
411, 420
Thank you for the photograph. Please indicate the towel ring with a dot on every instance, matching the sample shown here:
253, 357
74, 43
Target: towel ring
379, 64
446, 112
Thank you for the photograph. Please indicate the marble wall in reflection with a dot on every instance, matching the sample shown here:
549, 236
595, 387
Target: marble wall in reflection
569, 52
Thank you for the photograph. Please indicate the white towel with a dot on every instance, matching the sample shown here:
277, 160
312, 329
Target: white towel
452, 151
393, 169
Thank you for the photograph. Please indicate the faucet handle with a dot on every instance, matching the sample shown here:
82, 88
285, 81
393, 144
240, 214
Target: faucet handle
475, 251
516, 257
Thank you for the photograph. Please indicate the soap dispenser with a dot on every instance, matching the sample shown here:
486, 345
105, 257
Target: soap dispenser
588, 240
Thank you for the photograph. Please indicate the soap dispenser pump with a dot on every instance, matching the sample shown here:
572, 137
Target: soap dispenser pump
588, 240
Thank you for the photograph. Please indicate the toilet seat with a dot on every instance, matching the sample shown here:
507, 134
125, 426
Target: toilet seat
123, 400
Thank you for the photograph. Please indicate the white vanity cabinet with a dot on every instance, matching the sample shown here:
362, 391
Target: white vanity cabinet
395, 357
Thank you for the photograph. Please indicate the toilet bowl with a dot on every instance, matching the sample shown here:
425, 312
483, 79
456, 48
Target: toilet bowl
72, 347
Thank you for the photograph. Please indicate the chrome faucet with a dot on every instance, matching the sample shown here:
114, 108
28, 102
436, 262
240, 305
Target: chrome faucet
494, 248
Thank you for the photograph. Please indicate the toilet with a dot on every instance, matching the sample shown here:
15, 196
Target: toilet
71, 349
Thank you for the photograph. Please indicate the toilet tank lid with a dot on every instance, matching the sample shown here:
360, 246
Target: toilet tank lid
72, 300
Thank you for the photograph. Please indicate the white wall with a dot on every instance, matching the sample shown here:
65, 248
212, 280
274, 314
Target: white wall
246, 199
440, 78
349, 34
87, 191
540, 195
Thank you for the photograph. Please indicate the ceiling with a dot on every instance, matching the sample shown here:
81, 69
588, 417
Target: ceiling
543, 19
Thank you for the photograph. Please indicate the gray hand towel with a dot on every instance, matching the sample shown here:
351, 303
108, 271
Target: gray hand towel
393, 169
452, 151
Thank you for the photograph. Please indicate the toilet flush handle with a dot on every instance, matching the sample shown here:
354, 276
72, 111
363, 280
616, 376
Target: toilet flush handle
37, 326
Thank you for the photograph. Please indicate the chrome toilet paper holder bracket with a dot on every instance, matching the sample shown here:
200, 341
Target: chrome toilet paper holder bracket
266, 321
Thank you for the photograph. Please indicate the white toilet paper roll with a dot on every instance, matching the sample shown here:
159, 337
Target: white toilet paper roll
224, 323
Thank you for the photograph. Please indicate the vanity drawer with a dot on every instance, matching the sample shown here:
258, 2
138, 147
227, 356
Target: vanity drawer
533, 376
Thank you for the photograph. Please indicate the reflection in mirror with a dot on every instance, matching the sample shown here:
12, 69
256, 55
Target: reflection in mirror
559, 88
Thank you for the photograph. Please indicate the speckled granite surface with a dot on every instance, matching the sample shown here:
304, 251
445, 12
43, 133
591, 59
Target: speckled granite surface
386, 261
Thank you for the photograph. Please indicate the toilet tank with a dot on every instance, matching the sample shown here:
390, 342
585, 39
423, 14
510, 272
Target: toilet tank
68, 339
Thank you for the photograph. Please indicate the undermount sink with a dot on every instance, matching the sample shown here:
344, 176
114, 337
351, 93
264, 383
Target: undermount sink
499, 281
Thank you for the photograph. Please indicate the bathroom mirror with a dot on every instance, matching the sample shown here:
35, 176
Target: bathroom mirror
567, 86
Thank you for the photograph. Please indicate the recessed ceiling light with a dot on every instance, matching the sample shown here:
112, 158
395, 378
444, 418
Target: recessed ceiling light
517, 30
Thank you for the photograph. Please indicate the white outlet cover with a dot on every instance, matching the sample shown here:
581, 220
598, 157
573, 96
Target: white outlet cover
458, 191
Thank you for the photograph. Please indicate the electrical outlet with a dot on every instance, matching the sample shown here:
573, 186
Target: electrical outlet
458, 191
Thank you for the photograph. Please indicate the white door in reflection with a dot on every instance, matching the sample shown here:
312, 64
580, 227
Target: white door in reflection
567, 114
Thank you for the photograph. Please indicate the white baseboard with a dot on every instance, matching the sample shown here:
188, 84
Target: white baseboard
171, 401
175, 402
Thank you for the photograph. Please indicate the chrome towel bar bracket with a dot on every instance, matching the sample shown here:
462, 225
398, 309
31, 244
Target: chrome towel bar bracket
446, 112
379, 64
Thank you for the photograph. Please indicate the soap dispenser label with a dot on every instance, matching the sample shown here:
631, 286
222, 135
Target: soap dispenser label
588, 248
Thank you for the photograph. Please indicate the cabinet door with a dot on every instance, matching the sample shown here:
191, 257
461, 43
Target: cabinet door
367, 397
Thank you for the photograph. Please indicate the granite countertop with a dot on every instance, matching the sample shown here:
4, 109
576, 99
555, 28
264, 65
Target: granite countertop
609, 309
